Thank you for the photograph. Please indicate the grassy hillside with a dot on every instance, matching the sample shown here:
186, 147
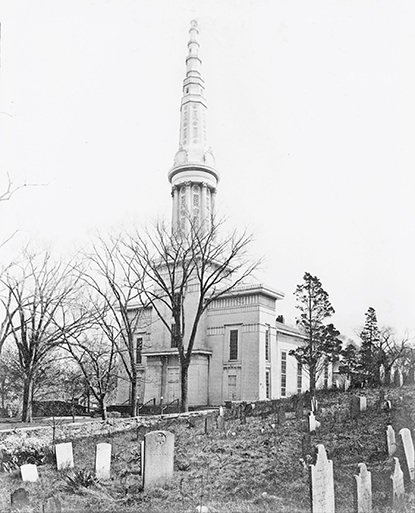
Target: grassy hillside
253, 467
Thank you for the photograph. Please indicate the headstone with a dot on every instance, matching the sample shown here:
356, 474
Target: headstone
221, 411
382, 374
208, 424
29, 473
398, 490
281, 414
19, 498
354, 406
52, 505
347, 383
362, 403
408, 447
158, 458
363, 490
313, 424
306, 444
322, 483
388, 405
103, 461
390, 440
221, 423
64, 456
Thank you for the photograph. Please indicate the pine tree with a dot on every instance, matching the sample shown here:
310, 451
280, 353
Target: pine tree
369, 357
322, 344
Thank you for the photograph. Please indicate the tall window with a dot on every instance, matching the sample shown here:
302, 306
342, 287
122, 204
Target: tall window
233, 345
267, 344
174, 333
139, 348
283, 373
268, 384
299, 378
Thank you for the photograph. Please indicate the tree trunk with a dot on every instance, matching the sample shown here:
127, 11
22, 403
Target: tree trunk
103, 408
184, 375
134, 397
27, 399
312, 381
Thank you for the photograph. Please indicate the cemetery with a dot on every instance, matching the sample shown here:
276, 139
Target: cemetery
341, 454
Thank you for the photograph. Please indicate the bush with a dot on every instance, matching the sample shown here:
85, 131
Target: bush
19, 449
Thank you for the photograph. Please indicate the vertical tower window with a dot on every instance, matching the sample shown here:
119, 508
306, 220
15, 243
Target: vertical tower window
267, 352
233, 345
139, 348
283, 373
268, 384
299, 378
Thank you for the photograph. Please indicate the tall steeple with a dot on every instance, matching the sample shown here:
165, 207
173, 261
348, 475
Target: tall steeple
193, 176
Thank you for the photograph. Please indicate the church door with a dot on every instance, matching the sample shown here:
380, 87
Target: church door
173, 384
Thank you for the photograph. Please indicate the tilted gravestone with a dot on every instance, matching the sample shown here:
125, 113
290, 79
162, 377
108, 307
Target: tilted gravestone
19, 498
354, 406
64, 456
29, 473
363, 490
158, 458
398, 489
208, 424
408, 447
390, 440
322, 483
52, 505
313, 424
103, 461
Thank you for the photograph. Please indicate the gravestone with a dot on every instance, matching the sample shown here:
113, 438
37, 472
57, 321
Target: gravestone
208, 424
314, 405
19, 498
362, 403
382, 374
281, 414
29, 473
221, 411
221, 423
390, 440
313, 424
158, 458
388, 405
103, 461
52, 505
398, 489
363, 490
64, 456
322, 484
354, 406
408, 447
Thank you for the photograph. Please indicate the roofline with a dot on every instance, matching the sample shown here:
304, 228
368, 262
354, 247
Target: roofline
258, 288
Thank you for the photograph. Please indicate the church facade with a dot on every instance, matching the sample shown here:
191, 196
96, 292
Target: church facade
242, 352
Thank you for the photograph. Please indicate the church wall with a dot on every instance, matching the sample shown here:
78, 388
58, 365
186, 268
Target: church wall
285, 344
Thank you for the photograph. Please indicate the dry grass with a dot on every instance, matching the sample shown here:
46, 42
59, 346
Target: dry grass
246, 469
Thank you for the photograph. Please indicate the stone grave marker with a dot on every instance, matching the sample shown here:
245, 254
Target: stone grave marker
158, 458
281, 414
398, 490
354, 406
52, 505
322, 483
221, 411
64, 456
19, 498
29, 473
408, 447
347, 383
362, 403
313, 424
103, 461
363, 490
388, 405
221, 423
390, 440
208, 424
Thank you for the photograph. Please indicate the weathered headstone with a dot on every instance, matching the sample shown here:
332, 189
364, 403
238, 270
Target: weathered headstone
390, 440
408, 447
322, 483
221, 411
208, 424
52, 505
363, 490
64, 456
29, 473
362, 403
281, 414
103, 461
221, 423
19, 498
313, 424
398, 489
158, 458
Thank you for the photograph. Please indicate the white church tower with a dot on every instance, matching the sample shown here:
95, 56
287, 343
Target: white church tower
193, 176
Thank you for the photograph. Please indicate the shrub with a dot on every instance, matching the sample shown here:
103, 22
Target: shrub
19, 449
80, 479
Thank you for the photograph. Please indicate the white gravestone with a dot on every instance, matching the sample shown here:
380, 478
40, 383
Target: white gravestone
64, 456
142, 458
322, 483
408, 447
313, 424
391, 440
398, 489
364, 490
362, 403
221, 411
29, 473
103, 461
158, 458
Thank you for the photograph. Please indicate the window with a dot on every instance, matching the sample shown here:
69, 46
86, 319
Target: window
267, 344
299, 378
174, 333
139, 348
233, 345
283, 373
268, 384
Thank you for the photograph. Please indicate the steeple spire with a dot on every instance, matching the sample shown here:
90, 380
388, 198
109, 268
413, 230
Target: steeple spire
193, 176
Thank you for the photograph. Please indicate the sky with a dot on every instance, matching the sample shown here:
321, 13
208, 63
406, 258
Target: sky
311, 117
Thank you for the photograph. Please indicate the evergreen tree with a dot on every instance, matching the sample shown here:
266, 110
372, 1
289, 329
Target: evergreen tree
322, 343
369, 356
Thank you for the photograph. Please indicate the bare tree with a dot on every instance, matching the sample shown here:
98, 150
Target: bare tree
113, 295
41, 311
184, 271
390, 350
96, 357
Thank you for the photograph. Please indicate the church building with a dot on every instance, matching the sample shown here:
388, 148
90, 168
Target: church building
242, 346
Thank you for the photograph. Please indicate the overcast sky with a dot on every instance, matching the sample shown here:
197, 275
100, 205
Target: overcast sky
311, 119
